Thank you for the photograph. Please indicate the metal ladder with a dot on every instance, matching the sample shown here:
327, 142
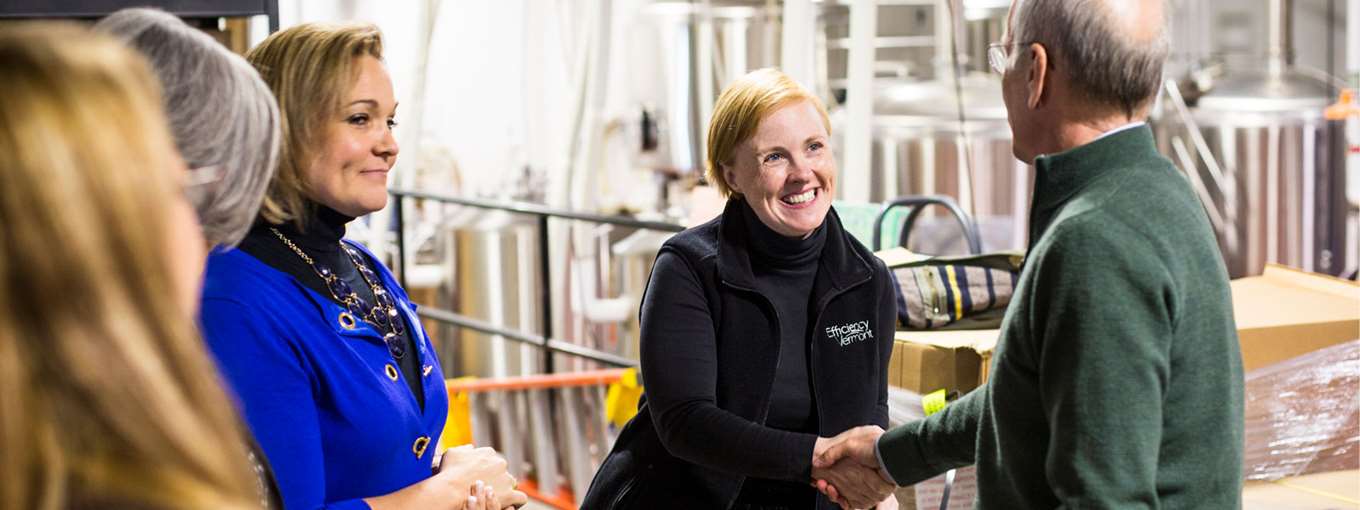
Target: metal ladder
553, 429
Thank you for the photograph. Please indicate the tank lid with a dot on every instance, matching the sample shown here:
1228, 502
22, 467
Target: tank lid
736, 9
1258, 91
936, 99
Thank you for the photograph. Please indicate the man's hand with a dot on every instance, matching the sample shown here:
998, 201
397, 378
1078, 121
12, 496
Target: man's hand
846, 469
851, 485
857, 444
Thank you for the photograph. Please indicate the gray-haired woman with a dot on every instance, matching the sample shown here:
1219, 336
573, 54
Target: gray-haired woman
225, 123
223, 117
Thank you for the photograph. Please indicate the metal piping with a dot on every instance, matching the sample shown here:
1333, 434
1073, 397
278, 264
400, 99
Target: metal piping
1280, 37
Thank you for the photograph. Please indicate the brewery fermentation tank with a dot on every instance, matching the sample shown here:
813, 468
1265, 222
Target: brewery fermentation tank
939, 126
1272, 175
1268, 166
497, 279
495, 267
704, 46
921, 148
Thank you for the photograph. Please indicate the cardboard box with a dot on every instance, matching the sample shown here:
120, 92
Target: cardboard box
1322, 491
1286, 313
956, 360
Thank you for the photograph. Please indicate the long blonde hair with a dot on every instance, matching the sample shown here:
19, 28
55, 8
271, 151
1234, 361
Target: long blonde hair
106, 393
309, 67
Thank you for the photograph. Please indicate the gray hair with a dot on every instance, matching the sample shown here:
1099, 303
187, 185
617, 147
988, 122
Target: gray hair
221, 114
1104, 61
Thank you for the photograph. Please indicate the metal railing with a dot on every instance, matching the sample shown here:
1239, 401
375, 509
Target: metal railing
545, 342
917, 204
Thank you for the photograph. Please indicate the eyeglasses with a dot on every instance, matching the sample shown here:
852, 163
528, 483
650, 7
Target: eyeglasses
196, 183
999, 57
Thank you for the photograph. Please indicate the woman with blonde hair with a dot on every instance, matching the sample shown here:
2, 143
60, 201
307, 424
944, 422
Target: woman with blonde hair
107, 398
336, 377
764, 332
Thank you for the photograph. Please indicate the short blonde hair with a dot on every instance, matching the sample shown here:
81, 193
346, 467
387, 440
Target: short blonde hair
109, 397
741, 108
309, 67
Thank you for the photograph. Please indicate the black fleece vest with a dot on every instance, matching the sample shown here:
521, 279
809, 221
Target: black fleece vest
853, 316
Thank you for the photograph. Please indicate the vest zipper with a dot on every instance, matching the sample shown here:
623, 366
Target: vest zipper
812, 366
812, 354
778, 345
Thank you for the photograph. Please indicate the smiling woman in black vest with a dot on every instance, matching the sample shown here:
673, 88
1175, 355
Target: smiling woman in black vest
763, 331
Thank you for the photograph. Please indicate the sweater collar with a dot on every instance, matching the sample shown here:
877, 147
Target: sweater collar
322, 232
839, 262
777, 250
1060, 176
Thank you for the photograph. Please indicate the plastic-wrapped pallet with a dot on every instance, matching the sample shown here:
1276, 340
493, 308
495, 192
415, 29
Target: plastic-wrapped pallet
1303, 416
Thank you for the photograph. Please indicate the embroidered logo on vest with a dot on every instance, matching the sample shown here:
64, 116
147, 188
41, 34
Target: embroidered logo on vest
849, 333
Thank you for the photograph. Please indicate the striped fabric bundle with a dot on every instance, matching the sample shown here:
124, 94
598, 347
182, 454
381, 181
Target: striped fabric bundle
969, 292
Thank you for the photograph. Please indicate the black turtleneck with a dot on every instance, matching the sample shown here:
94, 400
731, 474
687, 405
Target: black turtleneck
784, 269
320, 240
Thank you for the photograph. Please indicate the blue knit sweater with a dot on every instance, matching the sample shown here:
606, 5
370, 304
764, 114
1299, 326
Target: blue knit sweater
327, 404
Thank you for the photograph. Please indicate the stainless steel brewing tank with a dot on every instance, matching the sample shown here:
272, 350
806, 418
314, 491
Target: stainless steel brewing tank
704, 47
496, 273
497, 277
1280, 197
919, 149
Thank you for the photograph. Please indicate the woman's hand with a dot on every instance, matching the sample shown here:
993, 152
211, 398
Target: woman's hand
472, 462
482, 497
455, 481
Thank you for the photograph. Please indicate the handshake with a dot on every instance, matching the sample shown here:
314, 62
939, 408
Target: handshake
845, 468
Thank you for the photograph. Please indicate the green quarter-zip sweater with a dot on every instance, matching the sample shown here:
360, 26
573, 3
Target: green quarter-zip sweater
1117, 379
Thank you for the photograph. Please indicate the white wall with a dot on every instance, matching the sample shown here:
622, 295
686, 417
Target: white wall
479, 83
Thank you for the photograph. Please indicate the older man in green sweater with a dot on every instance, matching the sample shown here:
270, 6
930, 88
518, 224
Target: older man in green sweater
1117, 381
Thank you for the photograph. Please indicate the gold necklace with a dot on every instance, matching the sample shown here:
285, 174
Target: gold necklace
382, 315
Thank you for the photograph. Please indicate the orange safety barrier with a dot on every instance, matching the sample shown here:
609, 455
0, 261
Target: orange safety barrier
526, 382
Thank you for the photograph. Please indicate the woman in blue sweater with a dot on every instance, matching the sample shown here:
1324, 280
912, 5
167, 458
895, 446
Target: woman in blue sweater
334, 375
